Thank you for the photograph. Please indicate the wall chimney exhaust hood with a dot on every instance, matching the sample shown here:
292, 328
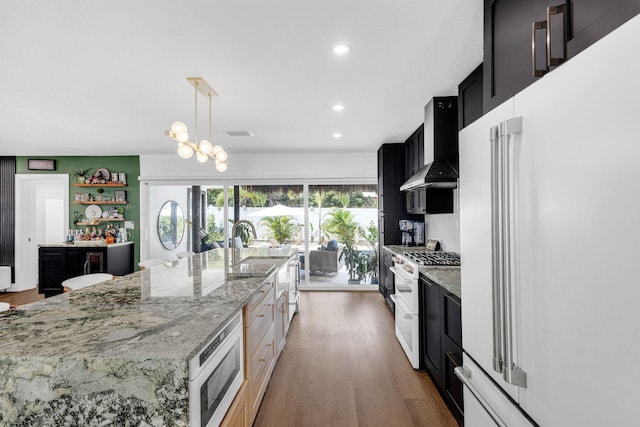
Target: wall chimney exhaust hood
440, 147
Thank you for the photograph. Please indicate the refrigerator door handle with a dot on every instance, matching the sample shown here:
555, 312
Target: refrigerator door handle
465, 376
496, 250
511, 373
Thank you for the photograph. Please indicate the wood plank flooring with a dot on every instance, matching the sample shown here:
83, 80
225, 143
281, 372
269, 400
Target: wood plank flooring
343, 366
22, 297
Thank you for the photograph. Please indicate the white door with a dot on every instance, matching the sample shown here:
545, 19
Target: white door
475, 240
579, 248
42, 216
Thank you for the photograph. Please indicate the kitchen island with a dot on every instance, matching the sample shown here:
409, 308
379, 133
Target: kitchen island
119, 351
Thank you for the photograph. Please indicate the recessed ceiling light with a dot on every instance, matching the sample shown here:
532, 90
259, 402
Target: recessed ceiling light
239, 133
338, 107
341, 49
337, 135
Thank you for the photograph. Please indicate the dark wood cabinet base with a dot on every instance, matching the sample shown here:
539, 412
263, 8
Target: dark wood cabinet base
59, 263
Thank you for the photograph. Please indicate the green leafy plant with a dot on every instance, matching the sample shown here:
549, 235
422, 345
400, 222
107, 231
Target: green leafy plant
341, 223
281, 228
81, 174
244, 232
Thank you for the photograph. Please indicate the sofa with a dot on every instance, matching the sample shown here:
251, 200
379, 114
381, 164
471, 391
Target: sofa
327, 259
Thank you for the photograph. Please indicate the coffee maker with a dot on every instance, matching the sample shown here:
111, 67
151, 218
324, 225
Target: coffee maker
406, 226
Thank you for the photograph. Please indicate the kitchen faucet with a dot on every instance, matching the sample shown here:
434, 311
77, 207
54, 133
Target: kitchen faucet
233, 236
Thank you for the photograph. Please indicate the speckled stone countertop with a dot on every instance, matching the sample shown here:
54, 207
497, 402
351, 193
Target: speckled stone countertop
446, 276
117, 352
83, 244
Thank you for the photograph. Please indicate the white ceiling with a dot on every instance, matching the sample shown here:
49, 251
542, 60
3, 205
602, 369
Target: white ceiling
93, 77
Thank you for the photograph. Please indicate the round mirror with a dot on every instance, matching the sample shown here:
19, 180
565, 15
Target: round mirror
170, 224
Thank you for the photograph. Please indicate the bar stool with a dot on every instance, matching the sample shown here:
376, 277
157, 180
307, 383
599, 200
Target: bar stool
85, 280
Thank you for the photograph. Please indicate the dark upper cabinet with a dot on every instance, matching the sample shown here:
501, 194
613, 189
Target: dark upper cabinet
514, 30
415, 201
590, 20
470, 98
507, 47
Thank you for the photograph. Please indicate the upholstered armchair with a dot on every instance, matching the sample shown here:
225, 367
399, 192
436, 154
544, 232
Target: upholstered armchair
327, 259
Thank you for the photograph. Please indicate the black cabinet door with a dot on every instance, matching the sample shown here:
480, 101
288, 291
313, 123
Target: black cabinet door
590, 20
51, 271
470, 98
452, 387
507, 47
431, 329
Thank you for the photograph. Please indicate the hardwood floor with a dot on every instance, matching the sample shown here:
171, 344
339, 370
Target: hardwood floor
342, 366
20, 298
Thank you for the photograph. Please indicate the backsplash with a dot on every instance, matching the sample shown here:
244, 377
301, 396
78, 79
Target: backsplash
446, 229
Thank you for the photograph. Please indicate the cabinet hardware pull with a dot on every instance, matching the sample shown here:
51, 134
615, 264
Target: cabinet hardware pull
538, 25
556, 10
465, 376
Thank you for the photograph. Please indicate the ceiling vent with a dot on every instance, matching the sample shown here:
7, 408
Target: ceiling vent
238, 133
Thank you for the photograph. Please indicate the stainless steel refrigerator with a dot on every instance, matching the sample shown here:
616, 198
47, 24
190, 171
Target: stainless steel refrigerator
550, 246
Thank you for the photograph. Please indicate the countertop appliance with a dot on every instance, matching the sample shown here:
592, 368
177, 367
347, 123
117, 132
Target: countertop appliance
407, 316
547, 320
216, 374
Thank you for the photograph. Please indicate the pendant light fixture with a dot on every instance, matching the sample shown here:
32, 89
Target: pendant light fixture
204, 150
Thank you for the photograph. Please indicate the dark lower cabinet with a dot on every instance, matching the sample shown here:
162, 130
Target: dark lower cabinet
441, 342
386, 285
431, 319
452, 387
56, 264
52, 271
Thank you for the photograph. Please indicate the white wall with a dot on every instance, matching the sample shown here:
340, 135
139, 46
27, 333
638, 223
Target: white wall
445, 227
158, 195
261, 166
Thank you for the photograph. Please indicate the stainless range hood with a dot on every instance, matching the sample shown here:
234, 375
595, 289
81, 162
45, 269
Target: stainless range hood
440, 147
432, 175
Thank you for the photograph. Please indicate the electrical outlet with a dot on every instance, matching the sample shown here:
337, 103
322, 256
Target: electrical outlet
128, 224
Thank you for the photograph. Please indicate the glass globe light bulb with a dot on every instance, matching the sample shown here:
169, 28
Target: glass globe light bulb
185, 151
205, 146
202, 158
217, 148
182, 136
221, 155
178, 127
221, 167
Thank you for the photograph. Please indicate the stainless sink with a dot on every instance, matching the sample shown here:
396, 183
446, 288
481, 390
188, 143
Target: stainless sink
252, 267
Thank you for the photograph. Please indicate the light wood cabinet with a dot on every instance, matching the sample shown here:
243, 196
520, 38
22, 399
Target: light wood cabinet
260, 343
238, 413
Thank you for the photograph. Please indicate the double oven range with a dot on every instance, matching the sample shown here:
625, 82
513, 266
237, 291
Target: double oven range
406, 270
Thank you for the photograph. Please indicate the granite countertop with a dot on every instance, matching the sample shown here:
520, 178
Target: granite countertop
100, 351
83, 244
446, 276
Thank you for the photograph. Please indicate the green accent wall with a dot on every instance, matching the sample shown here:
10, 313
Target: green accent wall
127, 164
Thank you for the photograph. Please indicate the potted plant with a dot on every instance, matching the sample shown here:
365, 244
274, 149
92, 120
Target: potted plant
100, 195
81, 175
341, 222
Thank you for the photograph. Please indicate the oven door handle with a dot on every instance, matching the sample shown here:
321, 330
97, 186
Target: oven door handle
400, 276
398, 301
